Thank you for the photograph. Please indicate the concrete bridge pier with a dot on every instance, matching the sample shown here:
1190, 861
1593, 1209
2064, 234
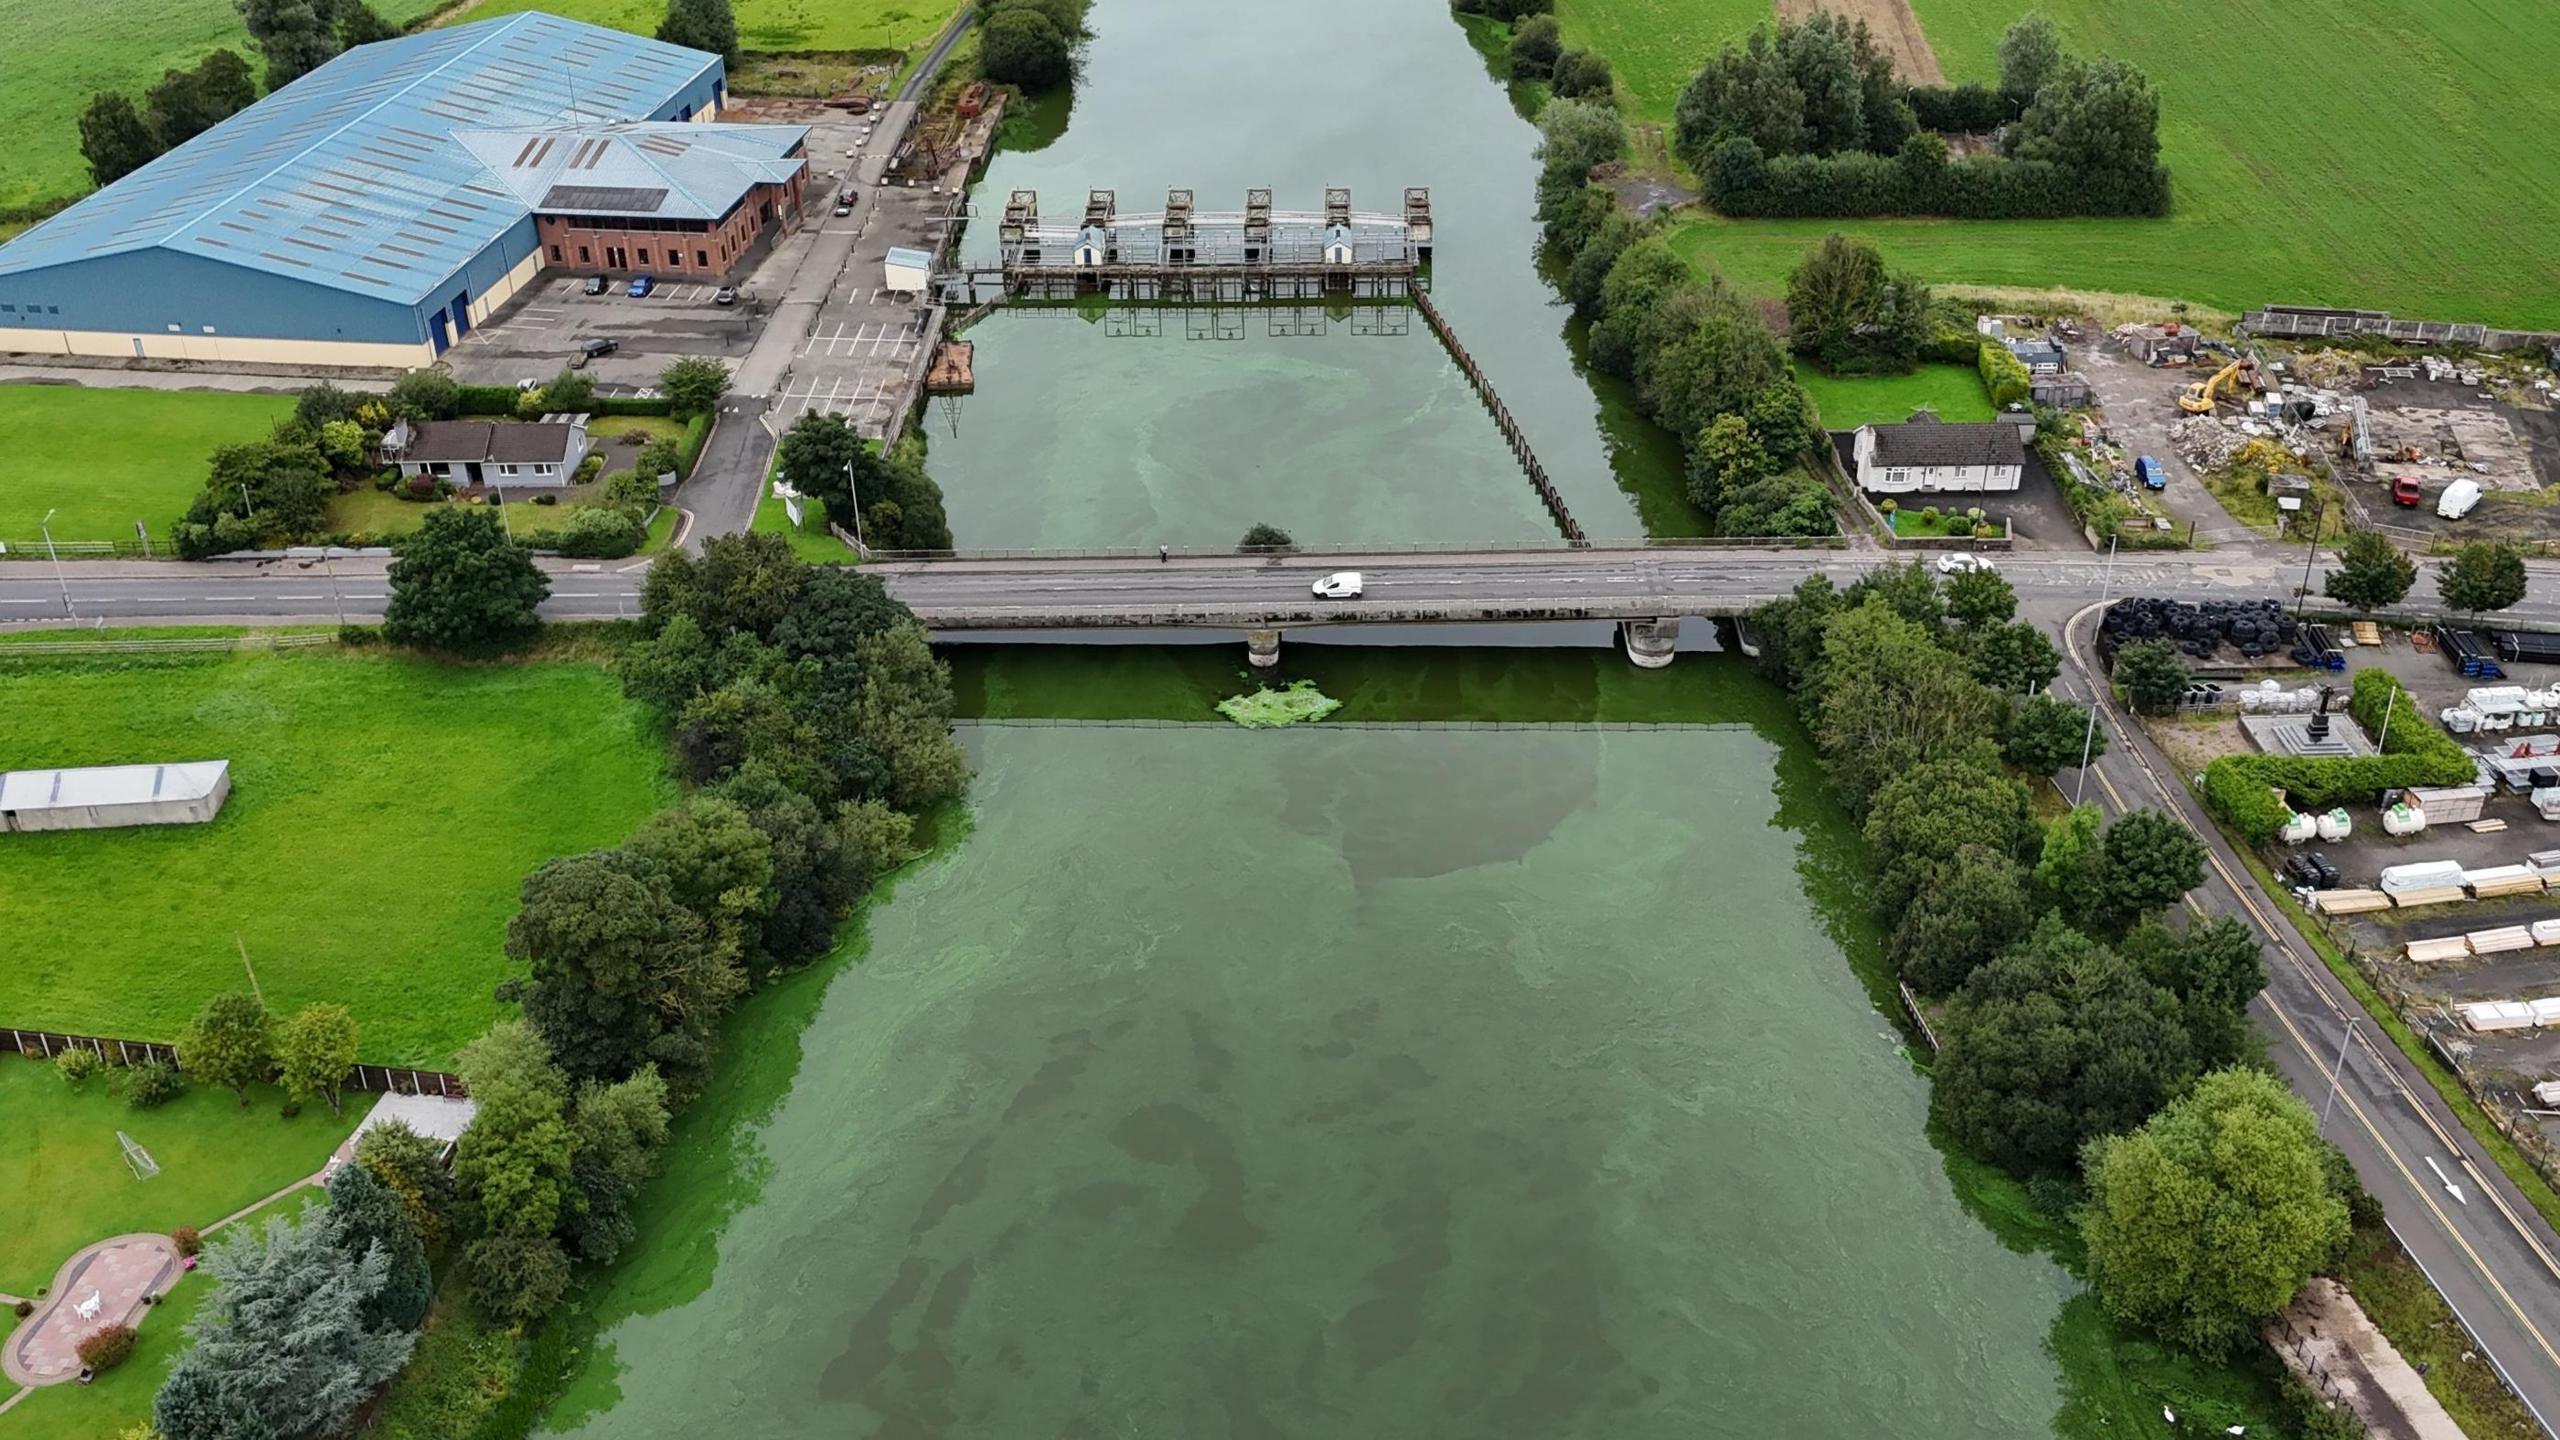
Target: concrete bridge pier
1262, 647
1651, 643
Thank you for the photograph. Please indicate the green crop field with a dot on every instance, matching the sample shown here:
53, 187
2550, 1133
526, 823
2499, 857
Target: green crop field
2394, 154
1953, 391
383, 811
215, 1157
767, 24
106, 458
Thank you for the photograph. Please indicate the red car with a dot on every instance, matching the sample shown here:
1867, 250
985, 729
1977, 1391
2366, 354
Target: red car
2404, 492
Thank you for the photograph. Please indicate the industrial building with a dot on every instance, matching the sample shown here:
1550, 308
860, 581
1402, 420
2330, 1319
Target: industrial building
373, 211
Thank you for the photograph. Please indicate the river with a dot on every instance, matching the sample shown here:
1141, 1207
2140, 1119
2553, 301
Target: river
1350, 1083
1079, 436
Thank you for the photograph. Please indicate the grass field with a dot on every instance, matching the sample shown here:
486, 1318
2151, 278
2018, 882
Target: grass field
106, 458
814, 545
767, 24
384, 810
2385, 153
117, 45
215, 1157
1954, 391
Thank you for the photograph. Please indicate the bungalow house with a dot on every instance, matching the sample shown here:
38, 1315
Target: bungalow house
490, 452
1925, 453
2041, 357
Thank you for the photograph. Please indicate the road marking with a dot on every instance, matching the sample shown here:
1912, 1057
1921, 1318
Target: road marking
2449, 1187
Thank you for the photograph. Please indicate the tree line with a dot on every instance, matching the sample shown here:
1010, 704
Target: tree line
1806, 119
1704, 365
2088, 1045
886, 497
1030, 43
811, 722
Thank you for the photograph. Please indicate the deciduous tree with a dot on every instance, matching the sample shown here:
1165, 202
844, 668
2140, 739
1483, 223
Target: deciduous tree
230, 1043
411, 1166
620, 974
694, 385
1980, 599
1266, 537
2013, 658
2051, 1046
2030, 52
1892, 697
2045, 734
296, 36
2483, 575
2372, 573
616, 1133
186, 103
904, 715
314, 1051
1023, 47
360, 24
2151, 860
2205, 1223
461, 583
512, 1172
1964, 911
425, 395
1535, 48
2214, 967
2152, 675
701, 25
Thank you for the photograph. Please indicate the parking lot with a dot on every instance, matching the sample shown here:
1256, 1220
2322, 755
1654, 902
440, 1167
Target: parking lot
549, 323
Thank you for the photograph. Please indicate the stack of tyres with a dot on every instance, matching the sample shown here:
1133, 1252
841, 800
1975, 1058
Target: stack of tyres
2255, 628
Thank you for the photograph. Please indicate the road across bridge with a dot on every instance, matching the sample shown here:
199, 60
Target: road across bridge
1236, 592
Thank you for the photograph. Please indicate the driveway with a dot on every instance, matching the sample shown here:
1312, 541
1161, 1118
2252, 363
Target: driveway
2141, 403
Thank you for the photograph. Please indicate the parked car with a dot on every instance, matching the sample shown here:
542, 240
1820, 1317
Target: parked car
2458, 499
848, 195
641, 285
2405, 492
1340, 585
843, 209
1965, 562
2150, 473
725, 295
595, 345
595, 284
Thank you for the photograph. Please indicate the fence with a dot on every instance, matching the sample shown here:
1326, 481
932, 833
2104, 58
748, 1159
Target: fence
1613, 727
1510, 428
1919, 1017
1350, 548
134, 549
372, 1079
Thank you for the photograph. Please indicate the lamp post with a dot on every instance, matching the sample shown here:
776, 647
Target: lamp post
329, 566
2089, 737
46, 525
2310, 553
2334, 1072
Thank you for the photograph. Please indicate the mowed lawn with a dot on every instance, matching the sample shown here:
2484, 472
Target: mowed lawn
384, 810
64, 1182
106, 458
767, 24
2393, 154
1953, 391
61, 54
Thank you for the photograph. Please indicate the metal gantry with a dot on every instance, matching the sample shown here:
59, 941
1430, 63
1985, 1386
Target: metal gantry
1181, 252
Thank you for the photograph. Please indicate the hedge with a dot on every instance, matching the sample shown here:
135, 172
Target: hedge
2240, 788
633, 405
689, 449
1962, 107
2003, 374
1742, 182
501, 400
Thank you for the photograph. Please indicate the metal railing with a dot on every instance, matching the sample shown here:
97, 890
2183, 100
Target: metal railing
1588, 727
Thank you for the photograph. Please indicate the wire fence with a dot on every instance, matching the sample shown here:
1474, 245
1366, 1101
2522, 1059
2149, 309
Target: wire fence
372, 1079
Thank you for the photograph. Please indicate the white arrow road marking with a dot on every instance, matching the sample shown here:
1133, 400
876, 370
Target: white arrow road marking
2449, 1187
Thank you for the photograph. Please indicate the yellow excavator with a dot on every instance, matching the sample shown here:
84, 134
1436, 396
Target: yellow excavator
2230, 382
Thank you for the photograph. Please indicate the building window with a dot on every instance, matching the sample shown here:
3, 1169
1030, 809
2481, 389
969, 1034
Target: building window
701, 259
11, 309
582, 254
643, 253
174, 328
208, 329
555, 254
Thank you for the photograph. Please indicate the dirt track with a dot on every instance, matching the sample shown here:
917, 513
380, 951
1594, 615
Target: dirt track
1895, 27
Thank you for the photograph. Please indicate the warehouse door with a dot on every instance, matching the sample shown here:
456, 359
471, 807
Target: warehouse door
462, 315
441, 338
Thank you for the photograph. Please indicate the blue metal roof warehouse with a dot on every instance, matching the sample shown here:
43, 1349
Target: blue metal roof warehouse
340, 220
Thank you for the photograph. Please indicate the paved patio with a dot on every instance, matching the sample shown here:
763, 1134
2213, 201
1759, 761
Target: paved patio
119, 1273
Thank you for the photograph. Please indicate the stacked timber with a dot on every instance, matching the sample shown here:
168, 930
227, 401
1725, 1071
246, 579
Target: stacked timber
2500, 880
2443, 947
2490, 1016
2350, 902
2500, 940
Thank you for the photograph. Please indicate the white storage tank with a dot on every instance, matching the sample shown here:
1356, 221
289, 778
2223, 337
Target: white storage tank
2298, 828
2336, 825
2401, 820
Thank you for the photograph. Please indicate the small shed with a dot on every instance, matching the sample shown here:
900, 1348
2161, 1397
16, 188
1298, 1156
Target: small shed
2041, 357
2061, 391
1091, 246
906, 270
1338, 249
107, 797
440, 1118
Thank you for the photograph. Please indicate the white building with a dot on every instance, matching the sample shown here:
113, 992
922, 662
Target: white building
1925, 454
490, 452
105, 797
906, 270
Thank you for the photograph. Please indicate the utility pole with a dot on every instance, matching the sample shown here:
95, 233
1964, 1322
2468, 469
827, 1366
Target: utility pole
46, 524
2310, 553
2089, 737
329, 565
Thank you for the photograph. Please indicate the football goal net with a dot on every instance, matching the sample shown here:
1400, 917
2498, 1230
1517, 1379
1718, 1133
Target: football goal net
144, 1167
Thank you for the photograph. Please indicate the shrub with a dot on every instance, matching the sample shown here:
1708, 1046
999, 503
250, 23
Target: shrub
546, 498
2004, 375
600, 532
187, 1240
23, 1309
108, 1348
384, 481
152, 1084
78, 1063
419, 487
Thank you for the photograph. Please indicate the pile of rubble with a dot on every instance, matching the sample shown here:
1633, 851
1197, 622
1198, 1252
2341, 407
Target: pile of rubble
2206, 442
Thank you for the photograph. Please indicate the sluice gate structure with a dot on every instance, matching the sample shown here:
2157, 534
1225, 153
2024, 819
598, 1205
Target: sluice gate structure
1182, 252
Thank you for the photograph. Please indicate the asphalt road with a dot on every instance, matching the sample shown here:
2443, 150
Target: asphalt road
2478, 1240
1221, 590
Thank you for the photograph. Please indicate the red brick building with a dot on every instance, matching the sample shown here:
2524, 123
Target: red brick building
657, 198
